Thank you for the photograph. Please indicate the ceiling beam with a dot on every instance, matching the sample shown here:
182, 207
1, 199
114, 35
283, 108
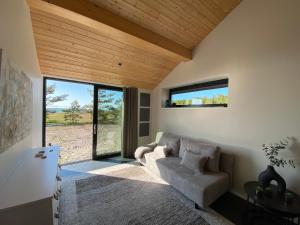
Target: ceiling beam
114, 26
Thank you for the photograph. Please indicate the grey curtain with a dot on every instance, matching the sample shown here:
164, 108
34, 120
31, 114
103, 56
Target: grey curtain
130, 122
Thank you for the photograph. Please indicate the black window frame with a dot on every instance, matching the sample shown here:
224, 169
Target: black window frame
96, 86
198, 87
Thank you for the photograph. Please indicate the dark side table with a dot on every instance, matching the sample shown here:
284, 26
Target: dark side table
274, 205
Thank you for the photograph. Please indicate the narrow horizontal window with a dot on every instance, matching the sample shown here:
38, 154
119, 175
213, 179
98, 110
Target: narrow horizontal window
207, 94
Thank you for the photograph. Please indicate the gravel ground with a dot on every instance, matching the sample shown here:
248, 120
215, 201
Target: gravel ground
76, 141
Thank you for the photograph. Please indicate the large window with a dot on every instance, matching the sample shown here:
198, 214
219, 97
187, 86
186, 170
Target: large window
207, 94
69, 118
85, 120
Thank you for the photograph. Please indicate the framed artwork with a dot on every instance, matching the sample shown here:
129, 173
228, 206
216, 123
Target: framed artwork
15, 103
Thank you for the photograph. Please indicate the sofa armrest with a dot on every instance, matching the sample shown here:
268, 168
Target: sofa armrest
141, 151
151, 145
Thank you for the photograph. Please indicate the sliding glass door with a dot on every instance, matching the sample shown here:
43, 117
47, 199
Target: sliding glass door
108, 121
85, 119
68, 118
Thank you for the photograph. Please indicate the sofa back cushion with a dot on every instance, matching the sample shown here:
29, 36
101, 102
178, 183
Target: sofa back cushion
210, 151
171, 141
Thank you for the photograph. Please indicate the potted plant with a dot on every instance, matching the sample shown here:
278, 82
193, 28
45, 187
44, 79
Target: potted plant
272, 153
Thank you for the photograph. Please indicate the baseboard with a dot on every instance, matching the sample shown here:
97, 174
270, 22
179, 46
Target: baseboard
238, 194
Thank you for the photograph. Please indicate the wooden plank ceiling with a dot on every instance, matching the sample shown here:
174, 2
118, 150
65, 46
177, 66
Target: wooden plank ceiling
121, 42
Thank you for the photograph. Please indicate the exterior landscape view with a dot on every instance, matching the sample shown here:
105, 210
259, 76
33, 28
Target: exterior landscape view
69, 120
202, 97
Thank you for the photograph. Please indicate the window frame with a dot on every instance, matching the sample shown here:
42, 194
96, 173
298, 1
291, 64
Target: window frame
96, 86
222, 83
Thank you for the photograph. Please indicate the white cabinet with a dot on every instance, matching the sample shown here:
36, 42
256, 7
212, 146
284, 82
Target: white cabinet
31, 194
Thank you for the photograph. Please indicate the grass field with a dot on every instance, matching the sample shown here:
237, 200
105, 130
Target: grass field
58, 118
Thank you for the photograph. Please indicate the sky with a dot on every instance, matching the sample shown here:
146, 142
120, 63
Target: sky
75, 91
196, 94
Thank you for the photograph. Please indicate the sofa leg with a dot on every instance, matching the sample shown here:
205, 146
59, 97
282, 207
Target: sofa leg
199, 208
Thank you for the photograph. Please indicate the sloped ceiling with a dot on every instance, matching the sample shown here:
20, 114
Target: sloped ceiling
185, 22
121, 42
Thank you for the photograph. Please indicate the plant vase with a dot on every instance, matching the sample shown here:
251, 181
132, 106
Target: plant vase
269, 175
289, 197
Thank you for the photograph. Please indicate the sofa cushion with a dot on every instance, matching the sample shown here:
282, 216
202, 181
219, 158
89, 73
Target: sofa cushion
171, 141
205, 149
194, 161
162, 151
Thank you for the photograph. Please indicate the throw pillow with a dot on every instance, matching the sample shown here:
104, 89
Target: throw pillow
162, 151
212, 152
171, 141
194, 161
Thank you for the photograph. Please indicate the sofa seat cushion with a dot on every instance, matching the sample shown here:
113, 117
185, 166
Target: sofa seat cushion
201, 188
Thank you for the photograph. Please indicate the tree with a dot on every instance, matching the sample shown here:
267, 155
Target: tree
109, 108
50, 99
218, 99
72, 114
183, 102
88, 108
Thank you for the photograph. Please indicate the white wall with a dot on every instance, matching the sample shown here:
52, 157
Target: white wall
16, 38
258, 48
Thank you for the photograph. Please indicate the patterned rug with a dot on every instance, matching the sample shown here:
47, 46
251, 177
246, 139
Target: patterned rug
128, 196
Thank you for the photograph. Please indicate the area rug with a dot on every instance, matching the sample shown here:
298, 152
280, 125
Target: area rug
128, 195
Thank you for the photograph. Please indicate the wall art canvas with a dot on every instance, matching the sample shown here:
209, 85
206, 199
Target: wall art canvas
15, 103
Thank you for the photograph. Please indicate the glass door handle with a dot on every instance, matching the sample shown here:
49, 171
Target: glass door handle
95, 129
